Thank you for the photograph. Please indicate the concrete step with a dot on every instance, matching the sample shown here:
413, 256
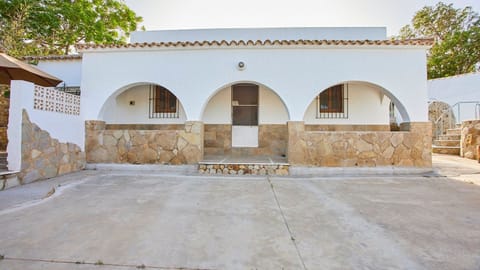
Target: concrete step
8, 179
447, 143
454, 131
449, 150
449, 137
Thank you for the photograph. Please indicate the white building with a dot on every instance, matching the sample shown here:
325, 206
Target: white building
312, 96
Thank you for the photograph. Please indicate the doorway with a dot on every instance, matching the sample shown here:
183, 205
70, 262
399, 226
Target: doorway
245, 115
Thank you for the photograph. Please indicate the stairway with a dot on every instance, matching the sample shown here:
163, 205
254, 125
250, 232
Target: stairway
449, 143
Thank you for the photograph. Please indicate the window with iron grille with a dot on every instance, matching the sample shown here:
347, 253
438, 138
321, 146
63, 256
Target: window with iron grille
163, 104
333, 102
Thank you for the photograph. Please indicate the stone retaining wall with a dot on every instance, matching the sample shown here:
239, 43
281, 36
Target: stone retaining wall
364, 149
183, 145
4, 110
45, 157
470, 139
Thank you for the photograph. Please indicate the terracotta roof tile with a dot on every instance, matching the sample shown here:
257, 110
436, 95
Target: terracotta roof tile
52, 57
267, 42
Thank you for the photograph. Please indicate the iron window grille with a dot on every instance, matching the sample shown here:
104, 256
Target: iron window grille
162, 103
332, 103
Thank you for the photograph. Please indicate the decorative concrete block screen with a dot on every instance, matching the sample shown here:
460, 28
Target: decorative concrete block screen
49, 99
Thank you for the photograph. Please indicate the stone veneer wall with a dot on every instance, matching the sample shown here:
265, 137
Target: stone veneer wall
437, 109
470, 139
272, 140
171, 144
4, 110
360, 148
44, 157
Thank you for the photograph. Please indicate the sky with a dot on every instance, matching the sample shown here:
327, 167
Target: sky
194, 14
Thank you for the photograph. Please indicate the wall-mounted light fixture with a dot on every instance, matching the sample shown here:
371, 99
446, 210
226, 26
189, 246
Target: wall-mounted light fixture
241, 65
132, 102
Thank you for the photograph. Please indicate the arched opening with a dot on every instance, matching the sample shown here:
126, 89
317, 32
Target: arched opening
143, 103
354, 106
245, 119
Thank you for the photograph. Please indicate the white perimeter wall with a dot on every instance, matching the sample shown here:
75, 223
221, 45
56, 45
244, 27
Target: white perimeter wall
295, 73
457, 89
119, 110
64, 127
70, 71
271, 109
366, 105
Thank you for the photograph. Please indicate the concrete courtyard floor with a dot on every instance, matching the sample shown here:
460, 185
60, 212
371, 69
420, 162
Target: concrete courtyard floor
132, 220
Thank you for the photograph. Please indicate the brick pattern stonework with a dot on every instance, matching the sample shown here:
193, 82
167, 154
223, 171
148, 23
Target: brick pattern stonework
347, 127
360, 148
272, 140
218, 139
163, 146
44, 157
244, 169
470, 139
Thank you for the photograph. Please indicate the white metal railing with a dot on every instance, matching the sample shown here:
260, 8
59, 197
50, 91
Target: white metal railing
49, 99
458, 106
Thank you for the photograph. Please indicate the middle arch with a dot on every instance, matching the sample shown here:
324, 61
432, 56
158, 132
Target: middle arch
245, 118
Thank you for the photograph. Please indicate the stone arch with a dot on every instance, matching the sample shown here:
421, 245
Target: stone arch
398, 104
110, 102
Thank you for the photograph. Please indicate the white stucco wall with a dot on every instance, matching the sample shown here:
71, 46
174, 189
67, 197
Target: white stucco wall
64, 127
271, 109
295, 73
366, 105
70, 71
292, 33
119, 110
461, 88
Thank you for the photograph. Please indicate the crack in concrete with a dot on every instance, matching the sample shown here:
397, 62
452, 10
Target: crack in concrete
100, 263
286, 224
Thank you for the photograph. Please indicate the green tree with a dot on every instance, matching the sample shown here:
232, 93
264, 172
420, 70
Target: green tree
457, 38
40, 27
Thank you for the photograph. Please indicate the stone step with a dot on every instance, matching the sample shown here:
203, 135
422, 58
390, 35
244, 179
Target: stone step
449, 150
454, 131
447, 143
449, 137
8, 179
244, 168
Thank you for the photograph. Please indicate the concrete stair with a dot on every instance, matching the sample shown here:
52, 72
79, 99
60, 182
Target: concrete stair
449, 143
